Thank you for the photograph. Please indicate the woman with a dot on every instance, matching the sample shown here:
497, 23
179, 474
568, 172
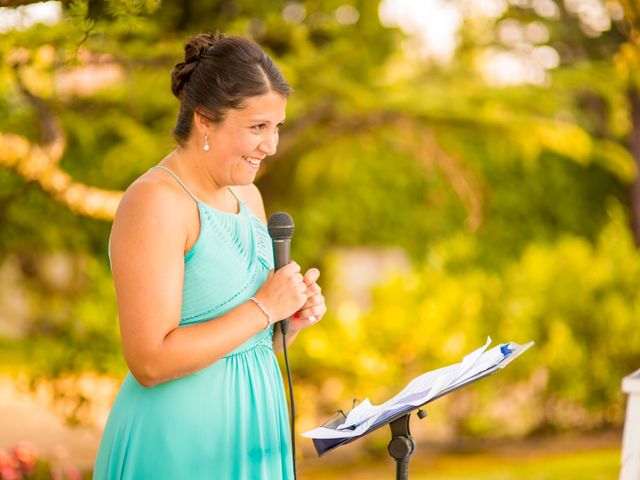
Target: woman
197, 298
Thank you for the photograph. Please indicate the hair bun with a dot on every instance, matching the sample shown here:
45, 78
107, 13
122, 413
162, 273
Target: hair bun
194, 49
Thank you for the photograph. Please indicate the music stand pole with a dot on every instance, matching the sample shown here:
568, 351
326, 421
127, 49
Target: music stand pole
402, 446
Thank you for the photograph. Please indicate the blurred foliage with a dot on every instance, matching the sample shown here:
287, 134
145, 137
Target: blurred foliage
576, 299
511, 203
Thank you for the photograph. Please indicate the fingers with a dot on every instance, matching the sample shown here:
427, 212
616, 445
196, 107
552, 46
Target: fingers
307, 291
313, 289
291, 267
297, 283
313, 313
292, 270
311, 276
293, 277
316, 312
313, 300
314, 306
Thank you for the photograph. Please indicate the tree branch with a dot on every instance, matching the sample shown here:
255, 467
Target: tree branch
34, 163
40, 163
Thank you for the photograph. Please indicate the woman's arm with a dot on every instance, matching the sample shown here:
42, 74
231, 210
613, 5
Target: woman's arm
147, 247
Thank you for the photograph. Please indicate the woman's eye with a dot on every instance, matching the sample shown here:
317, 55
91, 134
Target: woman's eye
258, 128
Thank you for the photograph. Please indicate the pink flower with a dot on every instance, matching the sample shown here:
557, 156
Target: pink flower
8, 472
26, 453
6, 459
74, 474
9, 467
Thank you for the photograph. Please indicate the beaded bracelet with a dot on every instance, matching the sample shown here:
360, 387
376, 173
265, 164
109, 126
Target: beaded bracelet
264, 310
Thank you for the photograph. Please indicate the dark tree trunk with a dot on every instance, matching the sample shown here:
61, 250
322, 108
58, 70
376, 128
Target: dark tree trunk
634, 101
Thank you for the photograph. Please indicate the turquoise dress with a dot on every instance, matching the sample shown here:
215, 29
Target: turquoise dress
229, 420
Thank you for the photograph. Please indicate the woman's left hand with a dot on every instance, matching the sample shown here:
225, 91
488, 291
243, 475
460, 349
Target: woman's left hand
314, 308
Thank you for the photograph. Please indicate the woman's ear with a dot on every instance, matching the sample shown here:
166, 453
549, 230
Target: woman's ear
201, 122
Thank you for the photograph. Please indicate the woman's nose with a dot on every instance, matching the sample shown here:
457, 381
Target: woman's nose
269, 144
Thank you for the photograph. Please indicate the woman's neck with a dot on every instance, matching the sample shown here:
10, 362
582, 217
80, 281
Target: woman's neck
190, 166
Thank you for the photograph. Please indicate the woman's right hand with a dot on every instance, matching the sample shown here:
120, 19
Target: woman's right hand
283, 292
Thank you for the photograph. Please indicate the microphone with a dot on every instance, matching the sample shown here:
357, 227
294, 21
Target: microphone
280, 228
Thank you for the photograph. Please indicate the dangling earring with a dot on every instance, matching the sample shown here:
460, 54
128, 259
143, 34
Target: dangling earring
206, 143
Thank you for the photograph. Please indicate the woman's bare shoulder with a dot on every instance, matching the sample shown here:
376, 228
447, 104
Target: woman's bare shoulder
152, 205
251, 196
150, 193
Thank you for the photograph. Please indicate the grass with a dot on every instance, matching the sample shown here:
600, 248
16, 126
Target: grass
592, 465
597, 464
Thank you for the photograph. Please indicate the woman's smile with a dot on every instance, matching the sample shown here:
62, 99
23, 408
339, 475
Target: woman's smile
253, 161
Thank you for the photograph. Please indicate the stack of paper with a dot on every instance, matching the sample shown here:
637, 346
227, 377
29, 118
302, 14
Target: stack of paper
420, 390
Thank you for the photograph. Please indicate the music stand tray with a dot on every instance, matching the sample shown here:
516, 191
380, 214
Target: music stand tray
402, 445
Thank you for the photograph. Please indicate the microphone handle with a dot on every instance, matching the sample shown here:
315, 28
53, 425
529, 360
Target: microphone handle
282, 256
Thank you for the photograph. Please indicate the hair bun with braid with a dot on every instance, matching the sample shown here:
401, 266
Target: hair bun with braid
194, 50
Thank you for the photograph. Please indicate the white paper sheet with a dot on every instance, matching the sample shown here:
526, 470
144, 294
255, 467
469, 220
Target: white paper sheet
417, 392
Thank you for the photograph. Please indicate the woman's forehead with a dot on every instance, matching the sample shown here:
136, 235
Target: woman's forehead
270, 107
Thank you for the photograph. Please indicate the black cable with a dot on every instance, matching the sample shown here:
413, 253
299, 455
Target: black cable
293, 409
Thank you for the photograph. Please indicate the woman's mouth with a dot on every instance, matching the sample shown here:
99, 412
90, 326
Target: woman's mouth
254, 162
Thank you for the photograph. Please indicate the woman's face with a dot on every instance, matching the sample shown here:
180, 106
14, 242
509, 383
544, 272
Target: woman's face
244, 138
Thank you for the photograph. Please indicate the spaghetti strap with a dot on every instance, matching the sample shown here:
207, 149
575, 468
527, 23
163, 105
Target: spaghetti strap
235, 196
179, 181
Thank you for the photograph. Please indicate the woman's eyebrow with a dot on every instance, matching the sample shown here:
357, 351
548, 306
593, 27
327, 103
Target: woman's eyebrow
261, 120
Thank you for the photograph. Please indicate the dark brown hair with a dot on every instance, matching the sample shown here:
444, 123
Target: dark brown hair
219, 73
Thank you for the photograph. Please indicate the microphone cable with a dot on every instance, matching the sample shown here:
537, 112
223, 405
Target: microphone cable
293, 409
280, 227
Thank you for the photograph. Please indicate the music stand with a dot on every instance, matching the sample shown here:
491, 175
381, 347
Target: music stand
402, 446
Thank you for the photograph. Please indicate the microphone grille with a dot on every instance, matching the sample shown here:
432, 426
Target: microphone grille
280, 226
